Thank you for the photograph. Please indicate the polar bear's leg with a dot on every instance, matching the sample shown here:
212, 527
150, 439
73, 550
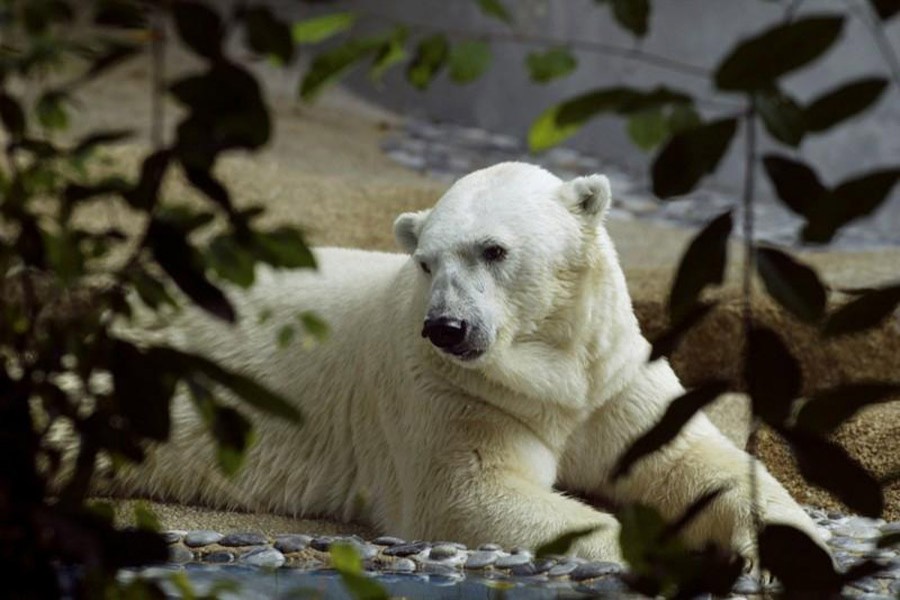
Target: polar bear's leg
508, 509
697, 462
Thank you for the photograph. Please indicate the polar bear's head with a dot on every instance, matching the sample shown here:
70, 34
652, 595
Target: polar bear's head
500, 254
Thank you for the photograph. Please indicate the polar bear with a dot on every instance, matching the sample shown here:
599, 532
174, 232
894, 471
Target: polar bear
467, 387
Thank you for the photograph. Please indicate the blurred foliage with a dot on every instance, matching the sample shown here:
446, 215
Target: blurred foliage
63, 287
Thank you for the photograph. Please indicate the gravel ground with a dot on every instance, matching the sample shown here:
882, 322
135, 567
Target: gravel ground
251, 556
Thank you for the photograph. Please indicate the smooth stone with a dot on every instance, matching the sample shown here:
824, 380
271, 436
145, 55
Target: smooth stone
506, 562
853, 531
606, 585
491, 547
442, 551
593, 570
244, 539
204, 537
850, 544
746, 585
890, 528
406, 549
403, 565
321, 544
365, 550
562, 569
263, 557
180, 555
292, 543
525, 570
521, 550
874, 597
894, 588
172, 537
456, 545
219, 556
481, 559
388, 540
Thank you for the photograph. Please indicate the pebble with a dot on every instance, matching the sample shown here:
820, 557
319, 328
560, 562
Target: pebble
180, 555
494, 547
890, 528
263, 557
593, 570
196, 539
562, 569
387, 540
220, 556
172, 537
505, 562
243, 539
746, 585
403, 565
481, 559
321, 543
406, 549
437, 568
292, 543
442, 551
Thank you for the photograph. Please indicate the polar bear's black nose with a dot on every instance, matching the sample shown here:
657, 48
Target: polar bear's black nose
444, 332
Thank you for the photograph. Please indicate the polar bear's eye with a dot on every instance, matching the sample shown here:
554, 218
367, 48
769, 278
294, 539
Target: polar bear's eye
494, 253
424, 267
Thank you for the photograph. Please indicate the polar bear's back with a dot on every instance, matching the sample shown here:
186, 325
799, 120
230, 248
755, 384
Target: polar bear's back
321, 467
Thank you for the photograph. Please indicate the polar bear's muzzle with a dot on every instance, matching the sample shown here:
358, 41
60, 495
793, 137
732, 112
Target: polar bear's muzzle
451, 336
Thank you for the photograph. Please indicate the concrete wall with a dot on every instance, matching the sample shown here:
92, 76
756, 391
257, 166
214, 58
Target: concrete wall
697, 32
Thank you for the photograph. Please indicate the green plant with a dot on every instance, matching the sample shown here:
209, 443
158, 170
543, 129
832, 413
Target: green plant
66, 283
747, 94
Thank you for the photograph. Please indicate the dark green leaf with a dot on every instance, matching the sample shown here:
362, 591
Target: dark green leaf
185, 218
252, 393
392, 51
495, 9
796, 184
150, 290
640, 533
38, 15
468, 61
317, 29
550, 64
792, 284
431, 55
703, 264
146, 192
145, 519
683, 117
210, 186
267, 34
844, 102
690, 155
648, 129
885, 9
234, 436
315, 326
679, 412
12, 116
668, 341
51, 113
560, 122
285, 336
782, 116
283, 247
180, 262
865, 312
562, 543
798, 562
633, 15
826, 411
757, 62
126, 14
825, 464
850, 200
199, 27
329, 66
100, 138
230, 261
773, 376
143, 388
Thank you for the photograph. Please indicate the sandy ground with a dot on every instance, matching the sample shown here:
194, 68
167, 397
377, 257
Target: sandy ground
325, 171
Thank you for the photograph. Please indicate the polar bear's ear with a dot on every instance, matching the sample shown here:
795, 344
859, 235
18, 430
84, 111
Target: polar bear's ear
407, 228
589, 196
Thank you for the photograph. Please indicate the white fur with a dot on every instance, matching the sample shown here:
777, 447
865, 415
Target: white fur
423, 445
